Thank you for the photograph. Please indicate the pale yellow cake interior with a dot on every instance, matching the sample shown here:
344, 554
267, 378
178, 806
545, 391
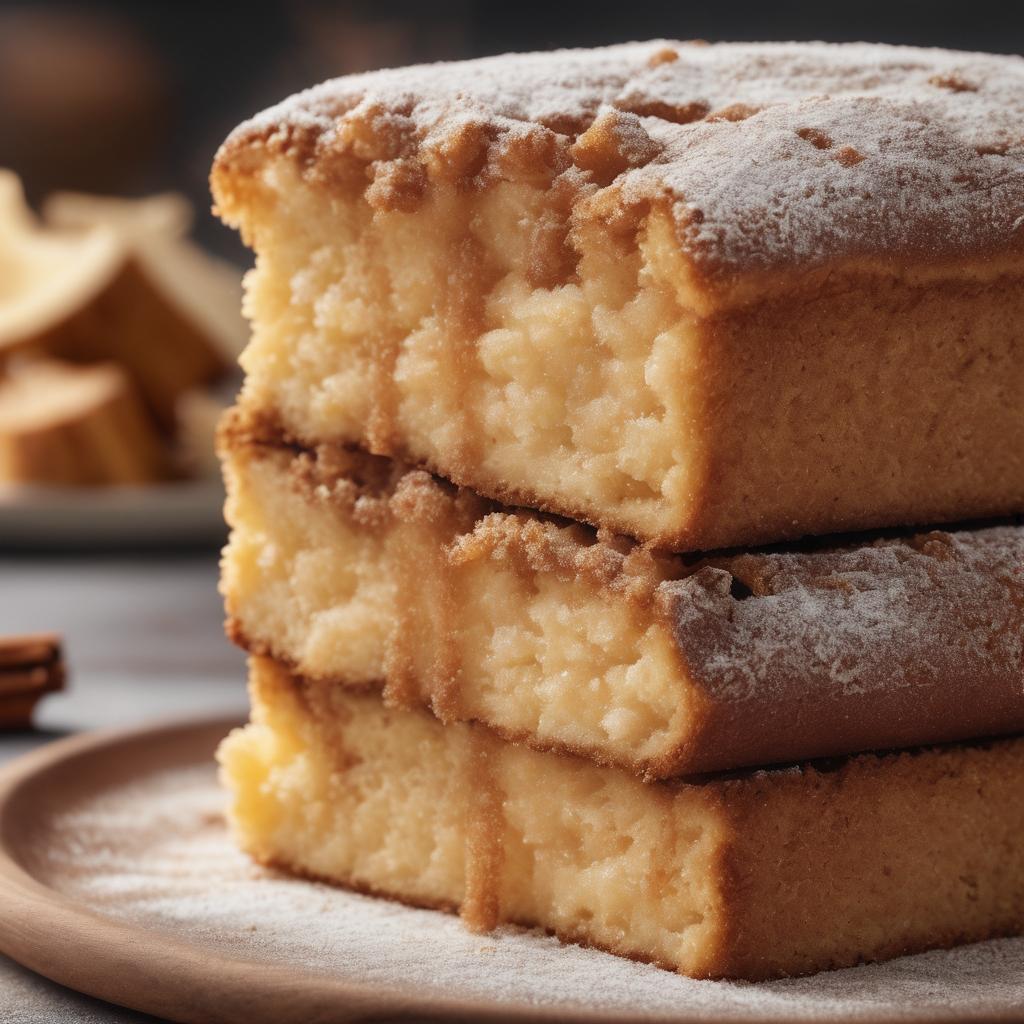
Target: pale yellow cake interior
536, 653
337, 786
359, 318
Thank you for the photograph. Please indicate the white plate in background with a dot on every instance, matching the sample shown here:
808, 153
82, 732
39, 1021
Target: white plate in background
172, 514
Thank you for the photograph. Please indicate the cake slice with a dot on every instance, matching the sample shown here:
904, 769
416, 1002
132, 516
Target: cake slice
359, 572
80, 425
702, 295
748, 876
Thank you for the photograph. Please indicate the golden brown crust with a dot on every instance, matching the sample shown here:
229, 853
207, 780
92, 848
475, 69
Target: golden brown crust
824, 821
901, 641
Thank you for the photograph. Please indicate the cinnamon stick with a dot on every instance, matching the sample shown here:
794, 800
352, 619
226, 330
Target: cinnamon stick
31, 665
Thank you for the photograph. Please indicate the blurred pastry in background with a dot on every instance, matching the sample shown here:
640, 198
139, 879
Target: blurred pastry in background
198, 413
97, 292
66, 424
203, 288
114, 330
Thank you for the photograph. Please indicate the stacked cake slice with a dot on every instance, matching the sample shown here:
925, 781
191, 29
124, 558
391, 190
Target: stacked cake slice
693, 297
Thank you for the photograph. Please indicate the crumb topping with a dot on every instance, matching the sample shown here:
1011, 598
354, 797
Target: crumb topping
767, 156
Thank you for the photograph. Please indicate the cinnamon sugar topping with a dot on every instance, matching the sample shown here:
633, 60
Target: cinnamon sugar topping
816, 138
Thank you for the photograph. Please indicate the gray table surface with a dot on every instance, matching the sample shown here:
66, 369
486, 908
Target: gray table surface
143, 643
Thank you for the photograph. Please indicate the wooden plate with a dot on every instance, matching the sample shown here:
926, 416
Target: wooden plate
118, 879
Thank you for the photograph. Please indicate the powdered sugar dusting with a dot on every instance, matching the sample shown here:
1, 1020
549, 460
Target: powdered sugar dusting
924, 159
560, 87
155, 852
939, 612
895, 177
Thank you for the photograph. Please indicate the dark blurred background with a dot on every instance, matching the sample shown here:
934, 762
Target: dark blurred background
128, 98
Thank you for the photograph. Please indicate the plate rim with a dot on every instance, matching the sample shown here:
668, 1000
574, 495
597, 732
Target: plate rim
147, 970
175, 513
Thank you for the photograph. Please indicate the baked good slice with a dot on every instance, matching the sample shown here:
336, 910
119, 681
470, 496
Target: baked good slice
66, 424
89, 291
751, 876
701, 295
357, 571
